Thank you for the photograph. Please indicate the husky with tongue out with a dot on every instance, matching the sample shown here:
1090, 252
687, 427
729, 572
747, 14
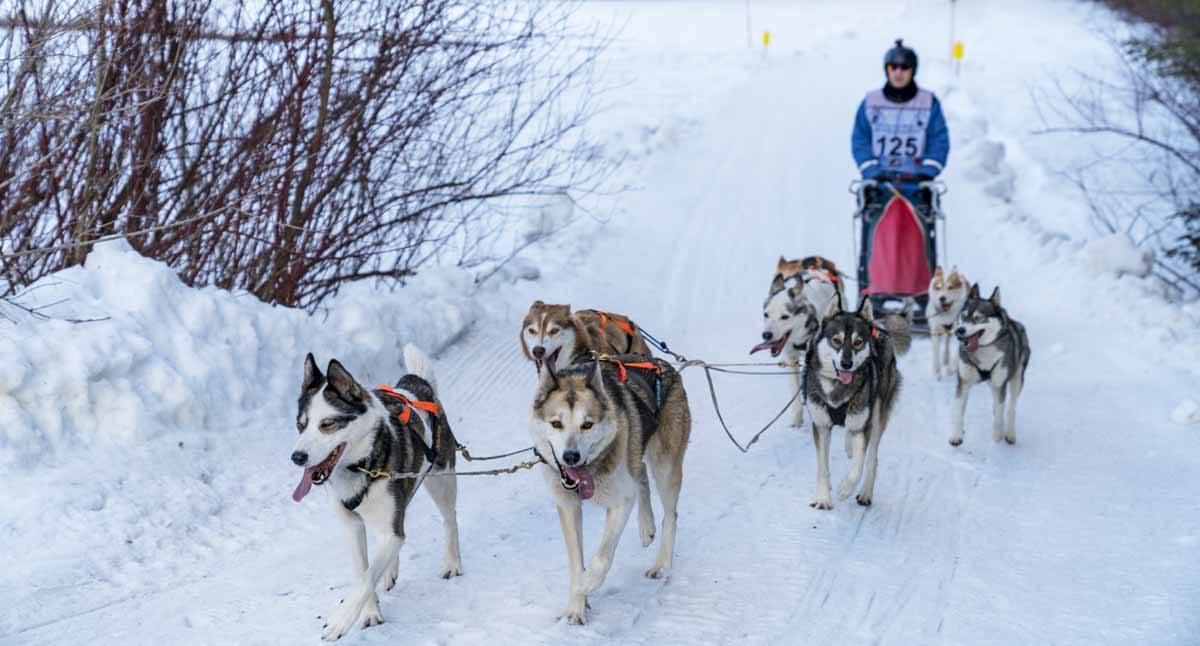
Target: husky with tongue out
994, 348
800, 291
352, 440
597, 426
851, 380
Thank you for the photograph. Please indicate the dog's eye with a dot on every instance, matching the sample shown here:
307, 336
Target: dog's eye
766, 316
532, 331
585, 426
554, 331
835, 342
785, 317
556, 424
328, 425
858, 344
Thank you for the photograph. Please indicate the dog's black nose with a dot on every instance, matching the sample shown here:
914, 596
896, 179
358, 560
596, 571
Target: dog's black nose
960, 332
538, 352
846, 364
571, 457
299, 458
767, 336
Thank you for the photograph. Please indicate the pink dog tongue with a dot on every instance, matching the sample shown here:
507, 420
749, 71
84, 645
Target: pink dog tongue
587, 487
765, 345
845, 376
305, 485
973, 343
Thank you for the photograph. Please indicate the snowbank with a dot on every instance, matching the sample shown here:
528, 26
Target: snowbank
169, 358
1118, 255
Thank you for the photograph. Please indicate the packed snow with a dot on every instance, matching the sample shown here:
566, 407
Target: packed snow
146, 452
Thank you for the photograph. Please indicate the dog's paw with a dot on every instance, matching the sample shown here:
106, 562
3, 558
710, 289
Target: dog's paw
594, 577
657, 572
371, 617
389, 577
997, 435
821, 502
846, 488
340, 622
576, 613
864, 500
955, 440
1010, 437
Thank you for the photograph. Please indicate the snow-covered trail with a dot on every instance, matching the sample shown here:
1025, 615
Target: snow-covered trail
1084, 532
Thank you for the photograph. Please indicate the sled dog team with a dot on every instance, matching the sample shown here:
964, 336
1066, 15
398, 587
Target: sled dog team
606, 415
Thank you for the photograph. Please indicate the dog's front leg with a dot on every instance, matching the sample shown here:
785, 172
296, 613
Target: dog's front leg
858, 444
821, 434
614, 526
571, 519
798, 403
342, 619
997, 411
372, 615
937, 355
960, 408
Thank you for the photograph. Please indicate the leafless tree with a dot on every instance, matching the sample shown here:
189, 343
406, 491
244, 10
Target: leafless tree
285, 148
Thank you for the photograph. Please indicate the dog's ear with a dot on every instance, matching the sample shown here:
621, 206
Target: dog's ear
595, 379
343, 383
937, 273
832, 309
995, 297
781, 264
777, 285
974, 293
312, 374
866, 311
537, 303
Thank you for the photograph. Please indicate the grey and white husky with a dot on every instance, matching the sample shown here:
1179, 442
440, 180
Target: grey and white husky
800, 292
597, 426
354, 440
851, 380
994, 348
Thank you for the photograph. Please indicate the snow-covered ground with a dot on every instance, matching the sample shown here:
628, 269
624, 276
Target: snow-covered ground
145, 456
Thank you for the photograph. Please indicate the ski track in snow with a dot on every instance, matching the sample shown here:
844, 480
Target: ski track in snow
1084, 532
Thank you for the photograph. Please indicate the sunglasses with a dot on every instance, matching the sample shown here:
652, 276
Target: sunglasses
899, 66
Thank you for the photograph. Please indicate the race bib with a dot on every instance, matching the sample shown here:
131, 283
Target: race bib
898, 130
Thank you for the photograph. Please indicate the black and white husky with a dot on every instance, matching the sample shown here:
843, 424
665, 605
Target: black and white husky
851, 380
356, 440
994, 348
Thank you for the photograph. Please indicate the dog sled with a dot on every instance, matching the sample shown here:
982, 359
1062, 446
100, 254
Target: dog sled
896, 236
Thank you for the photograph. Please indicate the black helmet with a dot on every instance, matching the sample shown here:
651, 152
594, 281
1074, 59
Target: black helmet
900, 55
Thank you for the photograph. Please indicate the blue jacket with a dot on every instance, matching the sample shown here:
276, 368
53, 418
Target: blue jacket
907, 138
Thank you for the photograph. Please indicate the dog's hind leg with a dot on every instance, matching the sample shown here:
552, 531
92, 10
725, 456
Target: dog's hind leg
614, 525
823, 500
857, 442
571, 520
668, 478
997, 411
645, 510
874, 435
444, 491
372, 615
341, 620
1014, 391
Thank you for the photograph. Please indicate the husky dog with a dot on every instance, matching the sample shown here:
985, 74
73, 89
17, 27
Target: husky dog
851, 380
992, 348
554, 333
800, 291
947, 295
347, 432
597, 426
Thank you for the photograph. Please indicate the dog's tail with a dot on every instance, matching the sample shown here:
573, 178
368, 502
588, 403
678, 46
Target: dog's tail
418, 363
898, 327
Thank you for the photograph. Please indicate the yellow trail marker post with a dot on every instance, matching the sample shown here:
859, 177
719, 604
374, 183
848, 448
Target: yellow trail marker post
766, 39
958, 56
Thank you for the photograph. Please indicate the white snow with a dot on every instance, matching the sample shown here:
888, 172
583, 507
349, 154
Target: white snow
1187, 412
145, 456
1118, 255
